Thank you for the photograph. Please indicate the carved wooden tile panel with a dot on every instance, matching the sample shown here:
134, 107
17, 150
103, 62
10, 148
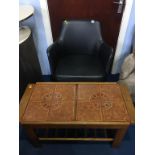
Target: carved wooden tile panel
51, 102
76, 102
100, 103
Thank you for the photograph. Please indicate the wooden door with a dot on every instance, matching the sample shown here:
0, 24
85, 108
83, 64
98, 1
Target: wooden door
105, 11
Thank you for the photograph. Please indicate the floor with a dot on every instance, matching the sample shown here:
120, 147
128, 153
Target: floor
127, 146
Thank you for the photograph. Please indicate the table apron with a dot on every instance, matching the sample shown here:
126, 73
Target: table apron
76, 126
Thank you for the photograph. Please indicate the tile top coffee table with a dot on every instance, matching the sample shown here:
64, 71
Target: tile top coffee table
81, 106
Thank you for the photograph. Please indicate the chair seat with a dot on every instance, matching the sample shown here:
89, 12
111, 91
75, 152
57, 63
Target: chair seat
79, 68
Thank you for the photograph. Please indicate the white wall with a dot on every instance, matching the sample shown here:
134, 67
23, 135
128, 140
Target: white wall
126, 35
37, 25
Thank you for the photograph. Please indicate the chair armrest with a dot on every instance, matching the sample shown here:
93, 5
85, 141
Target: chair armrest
53, 53
106, 54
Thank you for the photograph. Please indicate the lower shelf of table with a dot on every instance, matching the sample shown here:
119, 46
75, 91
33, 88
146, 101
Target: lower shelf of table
76, 139
46, 134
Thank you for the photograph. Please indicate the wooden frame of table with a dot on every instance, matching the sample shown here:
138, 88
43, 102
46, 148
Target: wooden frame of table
121, 127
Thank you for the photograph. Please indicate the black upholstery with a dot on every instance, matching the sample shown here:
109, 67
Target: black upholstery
80, 37
80, 53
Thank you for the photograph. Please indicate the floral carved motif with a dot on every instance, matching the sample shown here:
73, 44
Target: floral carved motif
52, 100
101, 100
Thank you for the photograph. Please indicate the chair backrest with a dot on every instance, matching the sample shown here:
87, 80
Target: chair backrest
80, 36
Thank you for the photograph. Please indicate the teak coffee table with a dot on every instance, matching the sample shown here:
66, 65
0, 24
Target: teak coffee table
76, 111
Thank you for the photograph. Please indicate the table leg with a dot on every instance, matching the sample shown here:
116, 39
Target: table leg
119, 136
32, 136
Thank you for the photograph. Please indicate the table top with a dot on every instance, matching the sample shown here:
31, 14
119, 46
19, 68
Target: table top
76, 103
25, 11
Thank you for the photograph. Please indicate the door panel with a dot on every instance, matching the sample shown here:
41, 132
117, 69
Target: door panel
104, 11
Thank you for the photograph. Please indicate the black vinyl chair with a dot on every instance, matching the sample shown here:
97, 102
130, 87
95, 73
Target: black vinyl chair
80, 54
